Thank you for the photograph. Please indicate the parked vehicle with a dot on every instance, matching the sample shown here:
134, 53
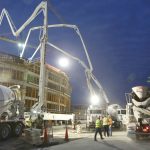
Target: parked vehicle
138, 111
118, 115
93, 112
11, 112
13, 119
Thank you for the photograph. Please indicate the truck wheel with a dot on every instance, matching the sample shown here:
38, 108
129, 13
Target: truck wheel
5, 131
17, 129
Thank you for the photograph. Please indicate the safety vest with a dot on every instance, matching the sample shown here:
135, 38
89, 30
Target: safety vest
98, 123
110, 121
105, 121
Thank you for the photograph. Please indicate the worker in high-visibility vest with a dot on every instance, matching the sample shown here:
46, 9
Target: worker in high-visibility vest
106, 126
110, 125
28, 122
98, 126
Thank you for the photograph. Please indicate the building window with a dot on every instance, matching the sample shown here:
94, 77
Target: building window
13, 71
17, 75
31, 92
53, 86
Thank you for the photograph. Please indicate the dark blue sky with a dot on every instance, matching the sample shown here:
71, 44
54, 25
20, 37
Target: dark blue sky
116, 33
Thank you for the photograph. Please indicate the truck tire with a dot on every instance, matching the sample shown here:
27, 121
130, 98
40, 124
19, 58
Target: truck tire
5, 115
5, 131
17, 129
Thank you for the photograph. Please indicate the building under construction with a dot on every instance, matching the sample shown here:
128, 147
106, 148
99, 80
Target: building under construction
16, 71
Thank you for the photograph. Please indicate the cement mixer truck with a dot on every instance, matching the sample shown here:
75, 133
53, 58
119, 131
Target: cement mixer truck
118, 115
138, 111
11, 112
12, 116
93, 112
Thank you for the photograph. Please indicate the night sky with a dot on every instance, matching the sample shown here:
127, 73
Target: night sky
116, 34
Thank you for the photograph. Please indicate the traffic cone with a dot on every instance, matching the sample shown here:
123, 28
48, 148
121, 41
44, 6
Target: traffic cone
45, 136
66, 135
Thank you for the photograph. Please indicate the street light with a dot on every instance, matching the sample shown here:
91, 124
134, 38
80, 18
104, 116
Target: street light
21, 45
94, 99
63, 62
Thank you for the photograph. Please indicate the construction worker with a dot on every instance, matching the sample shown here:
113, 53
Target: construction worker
28, 122
39, 123
98, 126
106, 126
110, 125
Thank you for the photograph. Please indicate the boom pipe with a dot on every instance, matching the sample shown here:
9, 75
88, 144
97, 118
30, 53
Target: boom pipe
88, 72
15, 32
58, 26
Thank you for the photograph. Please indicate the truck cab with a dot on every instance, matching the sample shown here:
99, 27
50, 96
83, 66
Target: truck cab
93, 112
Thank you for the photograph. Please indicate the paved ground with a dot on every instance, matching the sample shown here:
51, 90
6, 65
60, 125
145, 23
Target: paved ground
111, 143
59, 137
59, 134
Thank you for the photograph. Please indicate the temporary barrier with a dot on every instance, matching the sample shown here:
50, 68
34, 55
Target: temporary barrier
33, 136
79, 129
